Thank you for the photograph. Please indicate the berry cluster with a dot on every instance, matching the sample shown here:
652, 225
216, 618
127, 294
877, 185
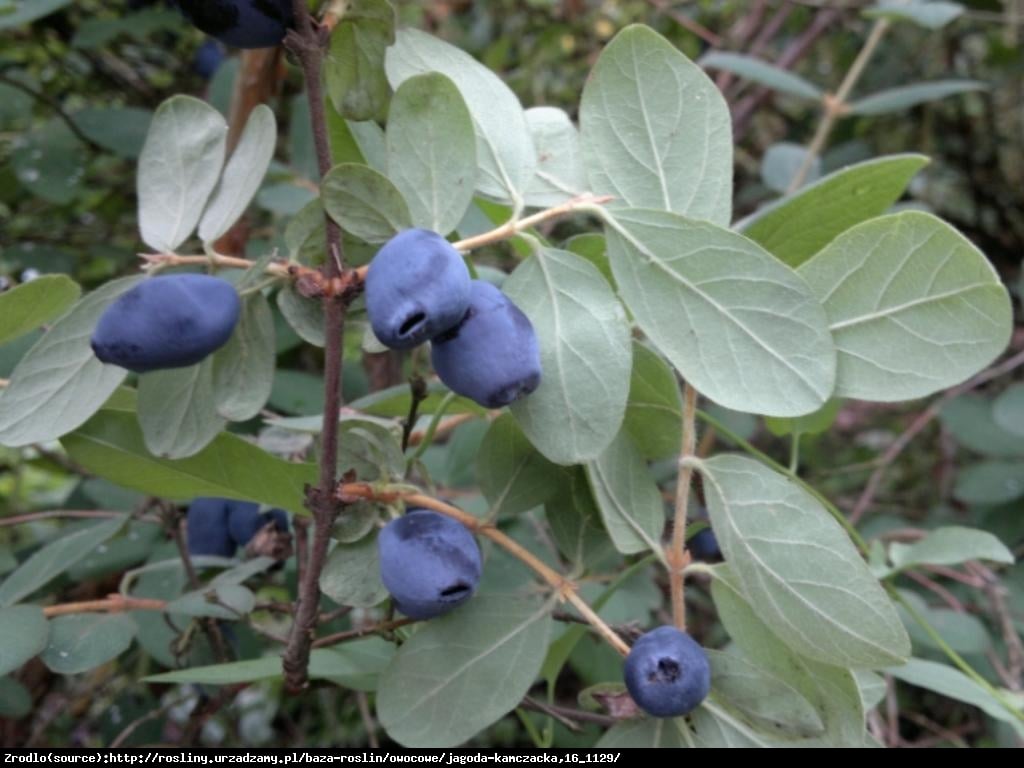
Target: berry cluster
483, 347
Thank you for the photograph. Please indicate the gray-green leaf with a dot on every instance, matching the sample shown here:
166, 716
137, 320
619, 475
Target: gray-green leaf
741, 327
907, 96
513, 475
178, 410
354, 65
55, 558
504, 151
559, 175
243, 369
31, 304
242, 176
803, 576
951, 545
59, 383
585, 355
627, 496
84, 641
761, 72
798, 226
178, 169
431, 151
655, 410
351, 575
930, 14
460, 673
990, 482
655, 130
23, 634
914, 307
365, 202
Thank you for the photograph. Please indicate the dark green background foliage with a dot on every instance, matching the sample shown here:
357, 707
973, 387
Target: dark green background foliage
854, 340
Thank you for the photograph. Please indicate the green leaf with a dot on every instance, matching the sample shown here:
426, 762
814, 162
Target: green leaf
576, 523
782, 162
15, 700
762, 697
370, 447
84, 641
351, 575
811, 424
122, 130
242, 176
431, 151
30, 305
354, 65
655, 130
23, 634
559, 175
832, 691
627, 497
178, 410
738, 325
990, 482
354, 665
654, 412
111, 446
761, 72
394, 402
217, 601
59, 383
504, 151
871, 686
798, 226
243, 369
431, 696
305, 316
646, 732
513, 476
954, 684
51, 162
584, 351
27, 11
178, 169
971, 419
55, 558
1008, 412
716, 728
914, 307
907, 96
964, 633
803, 576
951, 545
930, 14
365, 203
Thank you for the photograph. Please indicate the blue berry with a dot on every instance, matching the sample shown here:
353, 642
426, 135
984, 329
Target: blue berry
417, 286
667, 672
491, 356
169, 321
207, 528
704, 546
241, 23
429, 563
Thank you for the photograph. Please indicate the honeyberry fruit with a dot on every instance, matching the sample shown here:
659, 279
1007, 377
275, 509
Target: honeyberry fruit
667, 672
245, 520
241, 23
429, 563
491, 356
171, 321
206, 528
417, 286
704, 546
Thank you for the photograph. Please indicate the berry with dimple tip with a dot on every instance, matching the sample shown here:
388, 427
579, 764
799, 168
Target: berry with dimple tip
241, 23
171, 321
667, 672
492, 356
429, 563
416, 287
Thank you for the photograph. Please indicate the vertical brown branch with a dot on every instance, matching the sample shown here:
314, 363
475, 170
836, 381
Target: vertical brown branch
307, 42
